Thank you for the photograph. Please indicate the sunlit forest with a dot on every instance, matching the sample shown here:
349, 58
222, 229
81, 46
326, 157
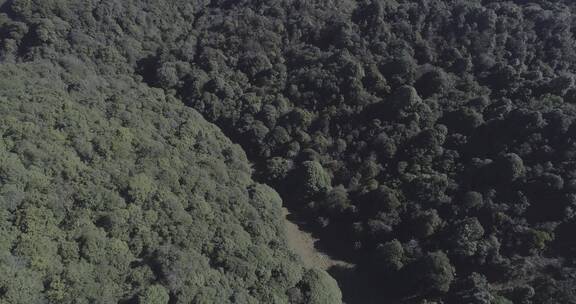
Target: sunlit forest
147, 149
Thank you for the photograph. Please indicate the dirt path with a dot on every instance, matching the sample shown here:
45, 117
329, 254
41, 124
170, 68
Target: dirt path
302, 243
355, 289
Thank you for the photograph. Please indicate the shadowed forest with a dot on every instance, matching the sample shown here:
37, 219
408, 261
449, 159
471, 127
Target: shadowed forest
427, 148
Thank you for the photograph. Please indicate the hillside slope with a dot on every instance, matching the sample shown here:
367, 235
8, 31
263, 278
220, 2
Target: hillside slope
112, 192
432, 143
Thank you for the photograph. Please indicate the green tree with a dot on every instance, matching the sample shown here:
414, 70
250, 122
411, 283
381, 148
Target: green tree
319, 288
154, 294
313, 178
435, 273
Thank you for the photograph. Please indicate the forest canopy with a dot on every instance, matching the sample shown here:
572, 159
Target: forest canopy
117, 193
428, 142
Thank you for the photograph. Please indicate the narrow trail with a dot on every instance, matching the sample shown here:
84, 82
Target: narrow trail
355, 289
304, 244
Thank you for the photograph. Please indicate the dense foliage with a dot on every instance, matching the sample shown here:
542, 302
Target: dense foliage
113, 192
431, 142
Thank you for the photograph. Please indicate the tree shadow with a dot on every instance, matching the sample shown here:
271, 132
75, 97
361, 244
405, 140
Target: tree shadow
358, 288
